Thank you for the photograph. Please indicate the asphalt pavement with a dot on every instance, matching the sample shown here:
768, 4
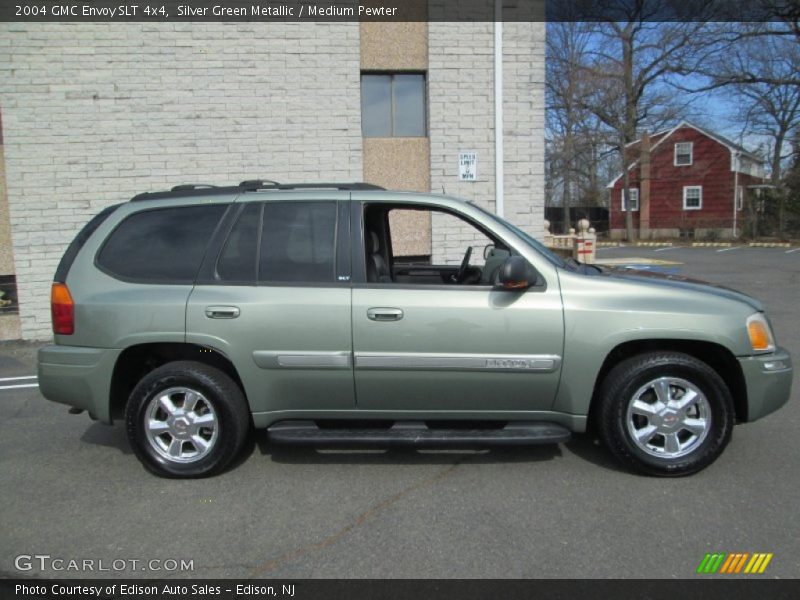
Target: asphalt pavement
72, 490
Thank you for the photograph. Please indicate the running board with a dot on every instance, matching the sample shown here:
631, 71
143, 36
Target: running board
417, 433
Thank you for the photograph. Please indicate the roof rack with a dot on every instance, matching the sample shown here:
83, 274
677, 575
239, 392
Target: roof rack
186, 191
251, 185
191, 186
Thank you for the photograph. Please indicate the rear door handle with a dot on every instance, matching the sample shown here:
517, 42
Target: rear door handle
384, 314
222, 312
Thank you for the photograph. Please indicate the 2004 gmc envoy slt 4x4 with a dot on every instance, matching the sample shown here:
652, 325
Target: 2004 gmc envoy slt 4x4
198, 313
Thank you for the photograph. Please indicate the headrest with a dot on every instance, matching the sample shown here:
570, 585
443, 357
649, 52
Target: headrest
373, 242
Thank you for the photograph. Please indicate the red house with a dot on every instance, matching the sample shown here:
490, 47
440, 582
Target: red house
684, 181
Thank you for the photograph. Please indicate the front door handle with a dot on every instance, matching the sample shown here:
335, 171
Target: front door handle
384, 314
222, 312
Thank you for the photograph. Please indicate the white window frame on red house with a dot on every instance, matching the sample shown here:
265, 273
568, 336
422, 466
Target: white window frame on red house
634, 199
699, 189
690, 153
739, 198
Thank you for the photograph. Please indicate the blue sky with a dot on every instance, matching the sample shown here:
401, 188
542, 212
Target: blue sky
715, 110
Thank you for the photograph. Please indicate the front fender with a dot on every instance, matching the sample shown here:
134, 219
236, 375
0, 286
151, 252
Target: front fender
601, 314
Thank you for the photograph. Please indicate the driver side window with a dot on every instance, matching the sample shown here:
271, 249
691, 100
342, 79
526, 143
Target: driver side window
420, 245
450, 238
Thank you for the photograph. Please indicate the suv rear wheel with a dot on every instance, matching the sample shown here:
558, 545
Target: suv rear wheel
665, 413
186, 419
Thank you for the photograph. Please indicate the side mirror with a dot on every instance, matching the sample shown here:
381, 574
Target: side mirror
517, 274
487, 250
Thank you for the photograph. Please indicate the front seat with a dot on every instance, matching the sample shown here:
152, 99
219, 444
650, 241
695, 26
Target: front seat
491, 270
377, 268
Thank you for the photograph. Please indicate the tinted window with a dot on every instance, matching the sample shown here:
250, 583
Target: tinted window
162, 245
72, 250
297, 242
237, 262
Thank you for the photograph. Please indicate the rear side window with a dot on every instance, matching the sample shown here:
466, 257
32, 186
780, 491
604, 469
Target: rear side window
75, 246
237, 262
165, 245
280, 242
297, 242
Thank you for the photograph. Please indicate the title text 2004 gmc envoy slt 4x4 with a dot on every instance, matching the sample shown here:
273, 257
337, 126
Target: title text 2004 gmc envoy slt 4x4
198, 313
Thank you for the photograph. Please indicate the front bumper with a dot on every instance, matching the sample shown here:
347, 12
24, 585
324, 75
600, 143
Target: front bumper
79, 377
768, 378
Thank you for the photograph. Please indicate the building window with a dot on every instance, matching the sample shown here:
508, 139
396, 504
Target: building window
692, 197
739, 198
393, 105
634, 199
683, 154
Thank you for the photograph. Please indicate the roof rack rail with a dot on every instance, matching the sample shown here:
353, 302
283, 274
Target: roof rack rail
191, 186
259, 184
188, 190
251, 185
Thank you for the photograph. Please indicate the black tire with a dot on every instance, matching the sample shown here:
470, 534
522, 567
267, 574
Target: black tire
617, 427
216, 393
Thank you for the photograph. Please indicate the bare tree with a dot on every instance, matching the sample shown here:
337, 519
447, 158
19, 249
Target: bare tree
771, 110
566, 117
757, 64
595, 163
624, 74
730, 44
792, 180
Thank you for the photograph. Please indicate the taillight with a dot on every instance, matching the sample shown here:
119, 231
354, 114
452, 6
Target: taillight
63, 309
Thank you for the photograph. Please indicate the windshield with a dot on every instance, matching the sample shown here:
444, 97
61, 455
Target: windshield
531, 241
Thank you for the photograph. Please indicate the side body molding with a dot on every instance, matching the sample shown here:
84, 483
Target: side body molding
268, 359
545, 363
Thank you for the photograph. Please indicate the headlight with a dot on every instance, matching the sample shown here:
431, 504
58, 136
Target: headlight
760, 335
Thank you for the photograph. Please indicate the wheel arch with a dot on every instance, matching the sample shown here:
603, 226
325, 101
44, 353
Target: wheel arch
716, 356
136, 361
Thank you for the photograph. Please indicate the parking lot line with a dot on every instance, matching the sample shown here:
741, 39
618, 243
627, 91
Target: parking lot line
16, 387
790, 251
729, 249
17, 378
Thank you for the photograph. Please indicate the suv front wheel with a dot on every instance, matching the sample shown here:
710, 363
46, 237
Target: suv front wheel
665, 413
187, 419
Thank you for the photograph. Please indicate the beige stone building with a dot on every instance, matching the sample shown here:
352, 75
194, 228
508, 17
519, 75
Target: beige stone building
94, 113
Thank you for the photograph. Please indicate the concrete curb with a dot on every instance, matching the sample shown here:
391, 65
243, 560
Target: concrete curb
769, 245
711, 244
649, 244
608, 244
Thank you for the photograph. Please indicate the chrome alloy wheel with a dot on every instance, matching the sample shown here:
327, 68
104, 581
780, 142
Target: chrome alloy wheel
668, 417
181, 425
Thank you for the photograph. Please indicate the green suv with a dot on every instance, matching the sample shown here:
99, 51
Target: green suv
309, 311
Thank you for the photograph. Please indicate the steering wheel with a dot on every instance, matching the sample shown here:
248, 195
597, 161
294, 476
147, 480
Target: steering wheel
462, 270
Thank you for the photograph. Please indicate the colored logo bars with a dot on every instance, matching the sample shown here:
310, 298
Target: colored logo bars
736, 562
